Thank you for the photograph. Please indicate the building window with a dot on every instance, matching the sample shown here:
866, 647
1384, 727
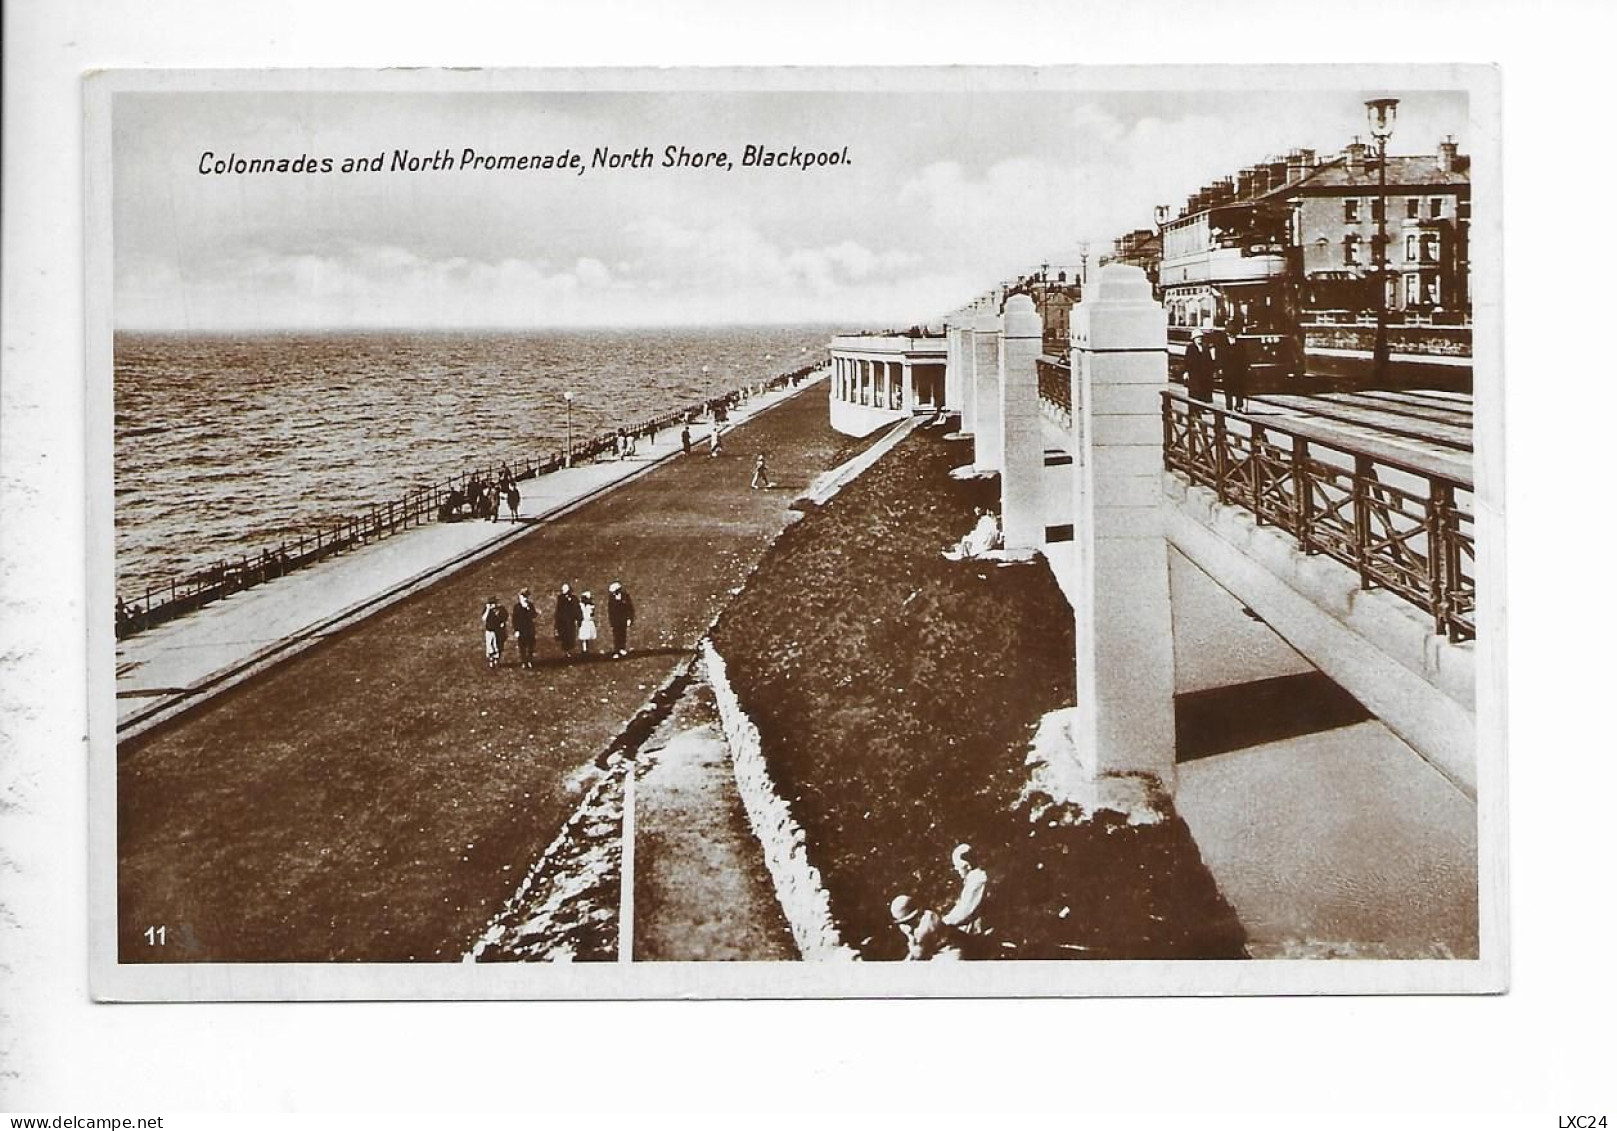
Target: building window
1350, 251
1409, 248
1412, 208
1411, 290
1437, 207
1428, 248
1350, 210
1377, 208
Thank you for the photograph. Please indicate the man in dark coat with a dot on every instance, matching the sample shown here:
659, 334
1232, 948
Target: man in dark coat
524, 625
1200, 367
620, 612
568, 617
1234, 368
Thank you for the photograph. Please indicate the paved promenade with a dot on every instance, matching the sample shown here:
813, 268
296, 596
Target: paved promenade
162, 670
379, 795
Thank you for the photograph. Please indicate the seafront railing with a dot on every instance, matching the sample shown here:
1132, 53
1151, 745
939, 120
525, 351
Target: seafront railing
1403, 522
186, 592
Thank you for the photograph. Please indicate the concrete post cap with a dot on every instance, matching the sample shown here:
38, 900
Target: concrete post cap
1119, 284
1022, 318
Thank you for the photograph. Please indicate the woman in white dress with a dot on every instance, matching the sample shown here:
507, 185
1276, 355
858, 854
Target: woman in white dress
586, 625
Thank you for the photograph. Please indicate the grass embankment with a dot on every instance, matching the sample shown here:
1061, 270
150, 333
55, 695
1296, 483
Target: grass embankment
896, 693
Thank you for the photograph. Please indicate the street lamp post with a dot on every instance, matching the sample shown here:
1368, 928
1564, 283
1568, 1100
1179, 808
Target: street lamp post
1381, 114
569, 399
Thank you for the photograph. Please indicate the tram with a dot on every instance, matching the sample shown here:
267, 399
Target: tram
1227, 265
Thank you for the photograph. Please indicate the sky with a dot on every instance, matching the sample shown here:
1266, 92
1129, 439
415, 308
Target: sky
943, 194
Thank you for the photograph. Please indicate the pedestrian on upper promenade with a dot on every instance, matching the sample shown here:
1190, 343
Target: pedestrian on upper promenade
926, 936
966, 916
620, 613
525, 624
568, 616
586, 622
1199, 368
760, 473
685, 438
1234, 367
493, 621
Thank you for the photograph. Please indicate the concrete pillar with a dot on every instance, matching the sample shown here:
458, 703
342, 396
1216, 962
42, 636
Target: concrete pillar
1124, 721
988, 440
907, 386
954, 368
968, 376
1022, 466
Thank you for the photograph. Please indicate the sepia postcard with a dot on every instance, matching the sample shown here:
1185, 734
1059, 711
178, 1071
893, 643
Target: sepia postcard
795, 533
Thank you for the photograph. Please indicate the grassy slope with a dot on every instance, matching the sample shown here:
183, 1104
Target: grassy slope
897, 692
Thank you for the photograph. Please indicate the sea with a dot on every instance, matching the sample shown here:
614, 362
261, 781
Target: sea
227, 444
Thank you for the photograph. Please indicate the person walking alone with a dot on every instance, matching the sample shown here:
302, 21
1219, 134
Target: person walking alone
760, 473
620, 612
524, 623
685, 438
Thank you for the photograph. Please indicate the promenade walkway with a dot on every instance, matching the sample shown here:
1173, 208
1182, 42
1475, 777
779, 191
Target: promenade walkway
379, 795
161, 671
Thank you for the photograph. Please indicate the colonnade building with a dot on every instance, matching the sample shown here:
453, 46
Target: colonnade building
879, 378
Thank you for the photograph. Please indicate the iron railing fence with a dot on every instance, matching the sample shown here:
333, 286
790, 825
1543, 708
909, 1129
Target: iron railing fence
183, 593
1055, 383
1403, 523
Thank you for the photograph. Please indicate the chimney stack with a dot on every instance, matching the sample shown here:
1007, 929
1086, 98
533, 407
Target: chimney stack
1448, 153
1354, 155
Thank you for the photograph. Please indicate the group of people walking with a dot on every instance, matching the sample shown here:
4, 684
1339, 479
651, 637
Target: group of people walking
483, 498
1216, 355
573, 622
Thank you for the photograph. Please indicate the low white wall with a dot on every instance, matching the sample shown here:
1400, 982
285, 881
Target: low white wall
860, 420
827, 484
803, 899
